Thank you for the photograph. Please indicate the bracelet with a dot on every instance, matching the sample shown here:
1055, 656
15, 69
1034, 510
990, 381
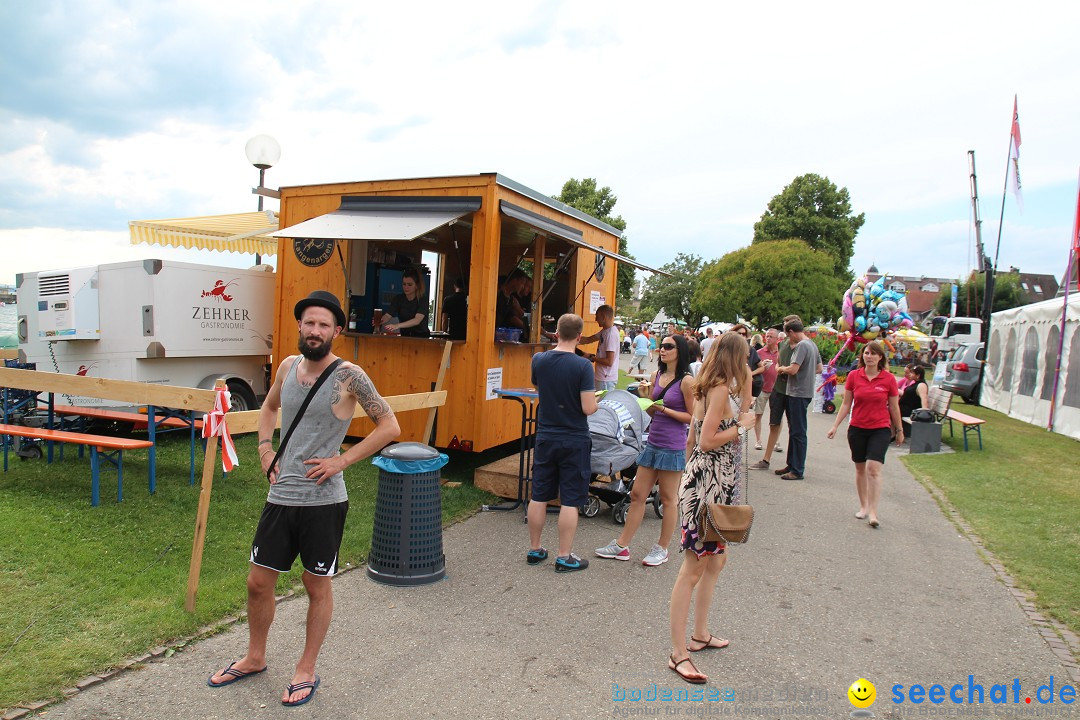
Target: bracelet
269, 450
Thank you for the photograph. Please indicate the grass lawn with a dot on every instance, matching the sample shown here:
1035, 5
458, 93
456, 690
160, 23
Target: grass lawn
86, 588
1021, 495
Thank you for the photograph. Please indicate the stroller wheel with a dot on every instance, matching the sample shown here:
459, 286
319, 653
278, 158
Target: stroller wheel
618, 511
657, 506
591, 508
829, 407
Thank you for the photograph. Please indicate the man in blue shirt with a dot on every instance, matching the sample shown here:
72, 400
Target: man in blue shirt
564, 382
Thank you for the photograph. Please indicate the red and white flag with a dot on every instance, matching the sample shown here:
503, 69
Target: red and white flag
1014, 157
214, 424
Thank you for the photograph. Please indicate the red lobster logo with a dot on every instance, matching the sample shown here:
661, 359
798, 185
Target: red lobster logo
83, 369
218, 291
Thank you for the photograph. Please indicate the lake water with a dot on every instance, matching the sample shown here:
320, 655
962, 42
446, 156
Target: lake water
8, 314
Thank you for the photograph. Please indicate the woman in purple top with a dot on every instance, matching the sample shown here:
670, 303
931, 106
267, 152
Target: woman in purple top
665, 452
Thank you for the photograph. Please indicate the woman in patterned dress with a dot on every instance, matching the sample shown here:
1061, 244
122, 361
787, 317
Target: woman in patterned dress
712, 472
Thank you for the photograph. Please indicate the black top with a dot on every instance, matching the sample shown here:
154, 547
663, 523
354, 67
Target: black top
456, 308
404, 309
504, 311
560, 378
909, 399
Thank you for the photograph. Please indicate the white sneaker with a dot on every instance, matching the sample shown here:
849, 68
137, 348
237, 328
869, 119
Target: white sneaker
613, 551
657, 556
757, 446
778, 448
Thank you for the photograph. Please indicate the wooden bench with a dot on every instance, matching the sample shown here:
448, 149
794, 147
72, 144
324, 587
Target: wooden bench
101, 448
938, 401
69, 413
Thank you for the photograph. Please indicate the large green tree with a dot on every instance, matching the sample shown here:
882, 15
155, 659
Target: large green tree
1008, 293
583, 195
766, 281
675, 294
815, 211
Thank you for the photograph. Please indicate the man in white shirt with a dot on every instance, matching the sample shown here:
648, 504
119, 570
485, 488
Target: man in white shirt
707, 343
606, 357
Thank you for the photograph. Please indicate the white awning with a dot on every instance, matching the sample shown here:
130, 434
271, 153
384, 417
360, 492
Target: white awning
239, 232
382, 218
571, 235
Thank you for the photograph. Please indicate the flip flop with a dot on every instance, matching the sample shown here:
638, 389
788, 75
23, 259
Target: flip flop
674, 667
860, 516
235, 675
300, 686
708, 643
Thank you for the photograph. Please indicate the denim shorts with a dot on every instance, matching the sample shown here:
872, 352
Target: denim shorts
662, 458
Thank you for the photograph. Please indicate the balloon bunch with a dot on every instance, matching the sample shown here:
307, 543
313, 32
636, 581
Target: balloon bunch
871, 310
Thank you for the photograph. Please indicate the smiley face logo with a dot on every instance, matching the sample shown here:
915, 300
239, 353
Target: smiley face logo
862, 693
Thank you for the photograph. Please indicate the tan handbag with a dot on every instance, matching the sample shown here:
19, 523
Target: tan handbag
726, 523
729, 524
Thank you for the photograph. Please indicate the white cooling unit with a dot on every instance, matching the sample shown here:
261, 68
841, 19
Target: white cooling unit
68, 305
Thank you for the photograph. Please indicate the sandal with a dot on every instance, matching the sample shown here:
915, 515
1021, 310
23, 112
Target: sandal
707, 644
674, 667
232, 675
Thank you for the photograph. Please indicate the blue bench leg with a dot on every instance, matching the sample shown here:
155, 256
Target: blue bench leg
95, 493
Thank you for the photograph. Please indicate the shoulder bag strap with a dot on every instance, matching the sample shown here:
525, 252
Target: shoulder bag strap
300, 413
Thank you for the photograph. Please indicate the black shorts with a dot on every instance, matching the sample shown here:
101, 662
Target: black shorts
777, 402
311, 531
868, 444
561, 469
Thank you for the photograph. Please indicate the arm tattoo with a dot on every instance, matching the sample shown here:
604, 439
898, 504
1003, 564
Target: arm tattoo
361, 386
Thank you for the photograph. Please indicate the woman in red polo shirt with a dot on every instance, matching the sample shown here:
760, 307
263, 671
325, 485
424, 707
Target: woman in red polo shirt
872, 398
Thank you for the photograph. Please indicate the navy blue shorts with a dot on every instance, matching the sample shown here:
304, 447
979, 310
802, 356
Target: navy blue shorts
868, 444
561, 470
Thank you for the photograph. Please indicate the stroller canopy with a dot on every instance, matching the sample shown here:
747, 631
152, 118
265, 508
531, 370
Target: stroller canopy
618, 430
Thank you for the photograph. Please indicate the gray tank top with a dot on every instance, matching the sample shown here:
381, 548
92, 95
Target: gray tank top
319, 435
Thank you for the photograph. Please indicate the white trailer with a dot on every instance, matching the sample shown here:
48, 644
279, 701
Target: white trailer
152, 321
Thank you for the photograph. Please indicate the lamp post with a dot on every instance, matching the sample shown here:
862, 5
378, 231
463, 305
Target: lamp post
262, 151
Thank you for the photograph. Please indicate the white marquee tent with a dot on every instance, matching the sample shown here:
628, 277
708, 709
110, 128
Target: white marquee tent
1023, 355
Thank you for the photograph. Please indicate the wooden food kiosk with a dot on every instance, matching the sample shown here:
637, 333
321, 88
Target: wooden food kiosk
355, 239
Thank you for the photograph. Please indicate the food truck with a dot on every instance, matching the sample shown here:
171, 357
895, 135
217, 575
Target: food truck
356, 239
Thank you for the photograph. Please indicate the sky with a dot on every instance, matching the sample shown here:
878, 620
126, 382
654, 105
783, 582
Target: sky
695, 116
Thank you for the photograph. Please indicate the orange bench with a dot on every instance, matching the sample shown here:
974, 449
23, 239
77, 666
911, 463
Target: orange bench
101, 448
138, 421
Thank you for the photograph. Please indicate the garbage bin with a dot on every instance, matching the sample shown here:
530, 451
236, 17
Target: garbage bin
406, 540
925, 437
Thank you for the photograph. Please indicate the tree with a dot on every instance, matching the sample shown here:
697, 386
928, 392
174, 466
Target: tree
675, 294
766, 281
813, 210
583, 195
1008, 293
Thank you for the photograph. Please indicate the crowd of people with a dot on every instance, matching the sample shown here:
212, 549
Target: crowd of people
708, 393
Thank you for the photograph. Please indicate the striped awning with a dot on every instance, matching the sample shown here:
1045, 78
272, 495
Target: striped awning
241, 232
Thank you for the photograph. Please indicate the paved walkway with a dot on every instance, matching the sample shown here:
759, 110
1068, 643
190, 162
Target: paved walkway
814, 602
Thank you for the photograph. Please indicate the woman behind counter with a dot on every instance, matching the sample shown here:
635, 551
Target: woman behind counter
408, 312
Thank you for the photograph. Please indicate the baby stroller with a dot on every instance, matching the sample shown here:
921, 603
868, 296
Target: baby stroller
618, 431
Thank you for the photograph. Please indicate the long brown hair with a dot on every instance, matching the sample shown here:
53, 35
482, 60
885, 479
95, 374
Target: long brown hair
725, 364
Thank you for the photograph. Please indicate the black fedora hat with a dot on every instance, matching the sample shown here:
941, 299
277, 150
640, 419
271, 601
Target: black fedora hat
323, 299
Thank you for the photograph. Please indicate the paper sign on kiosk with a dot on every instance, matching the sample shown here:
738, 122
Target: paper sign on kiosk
494, 382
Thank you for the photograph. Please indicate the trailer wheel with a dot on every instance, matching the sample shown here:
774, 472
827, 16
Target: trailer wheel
29, 452
591, 508
242, 397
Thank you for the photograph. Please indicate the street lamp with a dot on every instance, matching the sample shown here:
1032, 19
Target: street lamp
262, 151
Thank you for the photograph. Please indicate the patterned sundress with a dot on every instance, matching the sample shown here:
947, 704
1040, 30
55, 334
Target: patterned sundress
710, 476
